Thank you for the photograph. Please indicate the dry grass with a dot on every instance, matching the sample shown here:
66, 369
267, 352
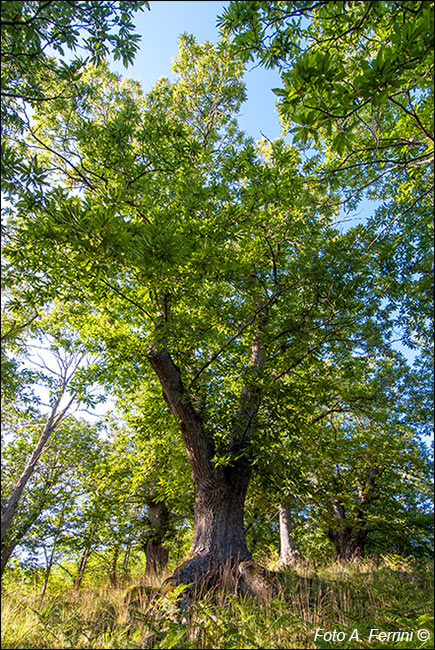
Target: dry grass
391, 595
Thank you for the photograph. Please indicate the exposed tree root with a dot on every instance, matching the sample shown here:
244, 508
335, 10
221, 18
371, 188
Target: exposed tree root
199, 575
258, 581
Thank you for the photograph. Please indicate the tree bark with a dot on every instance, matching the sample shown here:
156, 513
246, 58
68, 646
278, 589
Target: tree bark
7, 550
220, 492
125, 561
55, 418
218, 535
289, 554
89, 537
48, 568
113, 574
11, 505
156, 553
349, 540
350, 536
82, 566
9, 543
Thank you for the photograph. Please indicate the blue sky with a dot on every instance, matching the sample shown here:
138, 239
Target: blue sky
160, 29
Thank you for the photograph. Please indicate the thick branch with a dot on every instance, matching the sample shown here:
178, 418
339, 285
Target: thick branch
199, 450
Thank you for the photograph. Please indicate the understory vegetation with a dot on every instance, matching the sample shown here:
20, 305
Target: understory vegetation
389, 594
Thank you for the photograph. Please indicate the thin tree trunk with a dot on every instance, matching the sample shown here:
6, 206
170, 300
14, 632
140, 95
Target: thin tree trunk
84, 558
11, 505
8, 547
113, 577
82, 566
55, 418
7, 550
81, 570
48, 568
126, 560
156, 553
289, 554
53, 549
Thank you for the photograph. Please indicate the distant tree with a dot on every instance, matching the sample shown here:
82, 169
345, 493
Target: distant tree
66, 391
147, 474
289, 554
48, 505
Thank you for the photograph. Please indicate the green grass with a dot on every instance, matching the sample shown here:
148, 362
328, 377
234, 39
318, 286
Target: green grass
391, 595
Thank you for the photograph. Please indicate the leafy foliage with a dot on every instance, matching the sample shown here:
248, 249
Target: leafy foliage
40, 42
147, 221
358, 87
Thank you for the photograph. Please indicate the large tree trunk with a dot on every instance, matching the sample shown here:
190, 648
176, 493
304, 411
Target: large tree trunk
220, 492
289, 554
349, 542
218, 535
349, 537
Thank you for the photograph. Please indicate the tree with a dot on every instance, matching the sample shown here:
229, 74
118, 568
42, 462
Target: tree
65, 389
53, 491
358, 89
41, 40
340, 461
360, 489
142, 485
289, 554
201, 260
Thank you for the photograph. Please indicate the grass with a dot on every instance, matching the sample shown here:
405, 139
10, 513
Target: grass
392, 595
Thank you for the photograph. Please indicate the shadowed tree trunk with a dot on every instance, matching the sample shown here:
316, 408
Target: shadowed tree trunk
84, 558
289, 554
349, 541
156, 553
113, 569
7, 550
350, 535
126, 560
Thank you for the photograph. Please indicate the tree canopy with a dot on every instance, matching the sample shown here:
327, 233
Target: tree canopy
242, 332
358, 88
